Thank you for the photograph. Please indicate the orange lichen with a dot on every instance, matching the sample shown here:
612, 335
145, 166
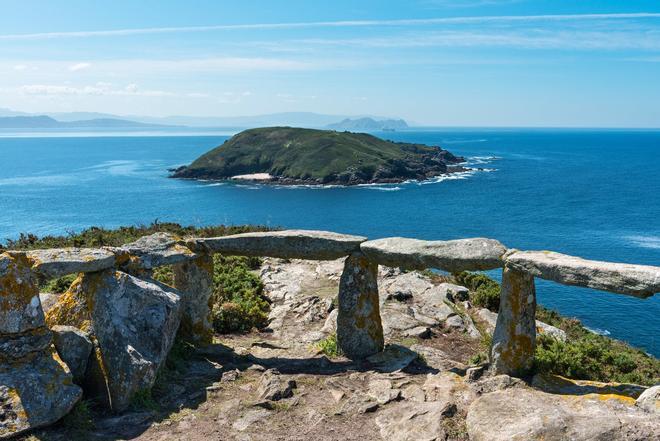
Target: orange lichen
75, 306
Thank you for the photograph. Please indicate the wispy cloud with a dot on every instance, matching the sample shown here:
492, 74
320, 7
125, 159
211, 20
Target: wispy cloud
331, 24
79, 66
99, 89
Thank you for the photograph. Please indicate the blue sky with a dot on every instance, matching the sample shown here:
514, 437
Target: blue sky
434, 62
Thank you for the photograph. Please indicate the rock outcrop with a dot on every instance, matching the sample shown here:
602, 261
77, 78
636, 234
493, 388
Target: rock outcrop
74, 348
522, 414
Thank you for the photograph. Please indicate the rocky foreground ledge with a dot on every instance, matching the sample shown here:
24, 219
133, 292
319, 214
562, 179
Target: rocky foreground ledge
406, 341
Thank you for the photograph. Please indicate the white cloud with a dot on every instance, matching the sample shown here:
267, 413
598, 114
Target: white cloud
20, 67
332, 24
100, 89
79, 66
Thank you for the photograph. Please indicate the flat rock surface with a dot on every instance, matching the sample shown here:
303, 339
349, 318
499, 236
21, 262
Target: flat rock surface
623, 278
58, 262
451, 255
522, 414
293, 244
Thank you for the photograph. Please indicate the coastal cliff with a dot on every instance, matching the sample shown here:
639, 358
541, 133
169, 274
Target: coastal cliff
286, 155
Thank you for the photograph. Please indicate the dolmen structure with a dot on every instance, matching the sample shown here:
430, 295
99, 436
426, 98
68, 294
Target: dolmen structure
112, 330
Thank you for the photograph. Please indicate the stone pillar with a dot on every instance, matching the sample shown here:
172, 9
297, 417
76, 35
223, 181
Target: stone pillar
194, 280
514, 339
359, 329
36, 387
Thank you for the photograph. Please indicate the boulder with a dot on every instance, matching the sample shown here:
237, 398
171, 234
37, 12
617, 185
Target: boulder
455, 293
290, 244
152, 251
451, 256
194, 280
522, 414
514, 339
419, 331
74, 348
636, 280
20, 306
133, 322
54, 263
359, 329
649, 400
35, 392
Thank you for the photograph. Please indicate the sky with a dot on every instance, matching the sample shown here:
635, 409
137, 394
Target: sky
481, 63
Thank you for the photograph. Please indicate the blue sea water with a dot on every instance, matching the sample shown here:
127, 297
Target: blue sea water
589, 193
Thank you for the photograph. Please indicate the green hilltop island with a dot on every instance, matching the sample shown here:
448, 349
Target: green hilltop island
291, 156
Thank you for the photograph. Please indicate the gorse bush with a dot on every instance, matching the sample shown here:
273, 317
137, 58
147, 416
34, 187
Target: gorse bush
484, 291
238, 301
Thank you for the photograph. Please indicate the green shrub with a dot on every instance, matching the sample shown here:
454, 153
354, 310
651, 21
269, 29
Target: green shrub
329, 346
164, 274
484, 291
59, 285
238, 301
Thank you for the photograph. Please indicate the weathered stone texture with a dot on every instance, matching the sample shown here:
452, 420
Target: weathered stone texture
35, 392
649, 400
152, 251
74, 348
290, 244
59, 262
194, 281
20, 307
622, 278
133, 324
451, 255
522, 414
359, 329
514, 339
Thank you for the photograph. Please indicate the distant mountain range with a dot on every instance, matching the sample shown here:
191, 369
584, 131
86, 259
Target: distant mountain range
10, 119
46, 122
369, 124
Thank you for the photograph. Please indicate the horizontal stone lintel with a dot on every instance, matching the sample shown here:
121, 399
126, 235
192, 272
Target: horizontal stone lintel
59, 262
289, 244
149, 252
453, 256
622, 278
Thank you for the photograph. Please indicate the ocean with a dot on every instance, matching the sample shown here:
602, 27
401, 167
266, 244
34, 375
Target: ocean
589, 193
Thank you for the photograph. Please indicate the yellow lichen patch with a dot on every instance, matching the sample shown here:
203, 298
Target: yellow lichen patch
74, 307
584, 389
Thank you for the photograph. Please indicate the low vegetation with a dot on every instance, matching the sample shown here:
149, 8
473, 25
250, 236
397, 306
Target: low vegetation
329, 346
238, 301
484, 291
585, 355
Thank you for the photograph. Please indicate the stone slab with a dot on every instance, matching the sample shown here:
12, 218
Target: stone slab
54, 263
635, 280
288, 244
152, 251
453, 256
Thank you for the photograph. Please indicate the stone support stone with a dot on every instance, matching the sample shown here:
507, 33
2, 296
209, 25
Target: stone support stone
194, 281
514, 339
359, 328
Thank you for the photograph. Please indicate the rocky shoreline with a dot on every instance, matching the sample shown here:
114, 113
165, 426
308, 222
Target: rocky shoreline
350, 181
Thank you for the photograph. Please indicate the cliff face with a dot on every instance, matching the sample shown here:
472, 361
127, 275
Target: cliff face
308, 156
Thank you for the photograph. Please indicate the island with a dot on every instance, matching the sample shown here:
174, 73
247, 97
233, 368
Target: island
288, 155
